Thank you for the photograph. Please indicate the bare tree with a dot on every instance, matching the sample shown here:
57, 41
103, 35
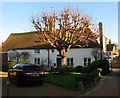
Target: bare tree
24, 56
64, 29
96, 53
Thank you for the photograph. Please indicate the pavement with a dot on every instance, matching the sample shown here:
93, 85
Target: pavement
109, 85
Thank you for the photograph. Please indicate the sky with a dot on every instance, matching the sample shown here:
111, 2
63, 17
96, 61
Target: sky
15, 16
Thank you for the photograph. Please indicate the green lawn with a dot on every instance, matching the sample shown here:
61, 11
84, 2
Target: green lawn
66, 80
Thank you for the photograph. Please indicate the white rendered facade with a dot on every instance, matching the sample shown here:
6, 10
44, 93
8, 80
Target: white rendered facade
75, 56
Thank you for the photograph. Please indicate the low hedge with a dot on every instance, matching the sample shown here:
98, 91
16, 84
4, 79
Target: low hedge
87, 78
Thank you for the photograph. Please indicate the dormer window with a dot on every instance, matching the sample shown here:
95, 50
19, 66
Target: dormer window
37, 51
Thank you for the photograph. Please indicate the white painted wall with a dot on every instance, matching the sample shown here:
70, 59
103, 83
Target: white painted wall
78, 55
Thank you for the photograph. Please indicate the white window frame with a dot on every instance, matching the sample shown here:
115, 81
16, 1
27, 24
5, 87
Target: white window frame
37, 61
12, 58
36, 51
87, 61
70, 61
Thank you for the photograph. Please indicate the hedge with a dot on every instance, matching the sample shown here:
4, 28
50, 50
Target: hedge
87, 78
103, 64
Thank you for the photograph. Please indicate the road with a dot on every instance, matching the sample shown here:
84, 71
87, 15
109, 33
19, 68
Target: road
110, 86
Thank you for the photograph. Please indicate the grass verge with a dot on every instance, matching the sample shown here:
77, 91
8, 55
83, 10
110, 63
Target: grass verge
67, 80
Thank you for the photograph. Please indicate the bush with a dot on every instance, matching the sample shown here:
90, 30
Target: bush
79, 69
11, 63
103, 64
87, 78
64, 69
70, 69
24, 61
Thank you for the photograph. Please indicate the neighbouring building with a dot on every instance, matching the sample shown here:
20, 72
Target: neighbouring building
112, 50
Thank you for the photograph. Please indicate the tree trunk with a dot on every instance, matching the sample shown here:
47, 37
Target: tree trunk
62, 54
63, 60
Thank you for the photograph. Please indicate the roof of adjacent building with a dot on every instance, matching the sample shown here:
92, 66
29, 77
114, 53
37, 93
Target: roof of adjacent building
30, 40
110, 47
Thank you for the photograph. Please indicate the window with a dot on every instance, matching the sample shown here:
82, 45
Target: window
87, 61
109, 53
19, 67
70, 61
52, 50
37, 51
12, 58
37, 61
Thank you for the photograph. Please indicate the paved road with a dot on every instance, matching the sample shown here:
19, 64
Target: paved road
110, 85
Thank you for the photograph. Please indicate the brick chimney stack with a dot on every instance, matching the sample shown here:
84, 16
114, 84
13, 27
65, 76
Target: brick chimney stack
101, 38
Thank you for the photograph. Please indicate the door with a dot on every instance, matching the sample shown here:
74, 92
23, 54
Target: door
58, 61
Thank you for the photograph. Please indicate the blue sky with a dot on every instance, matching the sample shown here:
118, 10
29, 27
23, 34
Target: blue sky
16, 15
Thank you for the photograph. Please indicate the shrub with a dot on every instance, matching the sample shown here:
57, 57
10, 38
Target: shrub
70, 69
24, 61
64, 69
87, 78
104, 64
79, 69
11, 63
93, 66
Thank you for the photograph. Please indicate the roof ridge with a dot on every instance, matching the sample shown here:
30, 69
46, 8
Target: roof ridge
31, 32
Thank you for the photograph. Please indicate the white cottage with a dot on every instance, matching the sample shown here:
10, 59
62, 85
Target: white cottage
43, 53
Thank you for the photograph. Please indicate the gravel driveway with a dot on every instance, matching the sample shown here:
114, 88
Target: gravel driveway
36, 90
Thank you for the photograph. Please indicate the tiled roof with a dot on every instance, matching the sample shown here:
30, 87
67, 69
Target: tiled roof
28, 41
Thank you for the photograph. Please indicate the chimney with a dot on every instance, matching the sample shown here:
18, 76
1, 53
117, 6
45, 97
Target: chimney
101, 38
109, 42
